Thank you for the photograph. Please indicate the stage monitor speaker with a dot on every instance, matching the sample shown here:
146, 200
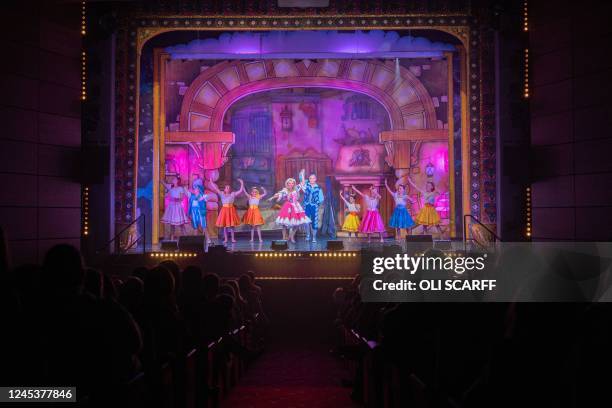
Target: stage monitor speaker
279, 245
335, 245
192, 243
418, 243
168, 246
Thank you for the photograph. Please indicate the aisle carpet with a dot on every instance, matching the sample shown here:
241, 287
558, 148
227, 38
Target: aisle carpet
292, 376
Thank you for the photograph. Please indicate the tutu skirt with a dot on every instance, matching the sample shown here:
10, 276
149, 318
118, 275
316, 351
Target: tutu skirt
428, 216
351, 223
175, 213
291, 216
228, 217
253, 216
401, 218
372, 222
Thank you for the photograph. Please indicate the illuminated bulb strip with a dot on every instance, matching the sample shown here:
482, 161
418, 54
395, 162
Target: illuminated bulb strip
279, 255
85, 210
525, 16
526, 78
83, 76
83, 18
83, 54
173, 255
528, 212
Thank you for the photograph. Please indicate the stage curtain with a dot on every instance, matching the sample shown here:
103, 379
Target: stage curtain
330, 209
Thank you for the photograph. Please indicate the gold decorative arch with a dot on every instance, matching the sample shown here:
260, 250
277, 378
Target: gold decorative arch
143, 28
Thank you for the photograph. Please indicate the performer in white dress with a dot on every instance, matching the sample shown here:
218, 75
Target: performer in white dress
174, 213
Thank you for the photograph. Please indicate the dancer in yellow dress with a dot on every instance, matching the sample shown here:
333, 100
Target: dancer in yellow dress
253, 216
428, 216
352, 221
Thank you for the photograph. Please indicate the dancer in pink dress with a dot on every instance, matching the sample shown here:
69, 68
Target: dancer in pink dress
291, 214
174, 214
372, 221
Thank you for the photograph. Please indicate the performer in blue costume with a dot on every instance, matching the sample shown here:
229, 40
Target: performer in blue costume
313, 198
197, 211
198, 183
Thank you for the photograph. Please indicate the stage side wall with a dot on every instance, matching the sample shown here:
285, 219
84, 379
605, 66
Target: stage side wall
40, 127
571, 118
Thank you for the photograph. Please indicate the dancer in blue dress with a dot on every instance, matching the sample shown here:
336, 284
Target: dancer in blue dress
313, 198
197, 211
401, 217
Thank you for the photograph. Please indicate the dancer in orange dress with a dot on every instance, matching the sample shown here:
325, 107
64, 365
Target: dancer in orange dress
228, 217
253, 216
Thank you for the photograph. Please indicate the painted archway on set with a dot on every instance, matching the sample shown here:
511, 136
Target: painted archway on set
397, 89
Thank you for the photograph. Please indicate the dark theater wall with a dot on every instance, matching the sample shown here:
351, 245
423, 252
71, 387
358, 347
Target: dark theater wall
571, 119
40, 127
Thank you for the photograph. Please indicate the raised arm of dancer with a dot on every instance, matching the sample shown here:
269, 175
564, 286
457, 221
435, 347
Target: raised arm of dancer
357, 191
214, 187
276, 196
414, 185
302, 178
343, 199
264, 192
388, 189
241, 190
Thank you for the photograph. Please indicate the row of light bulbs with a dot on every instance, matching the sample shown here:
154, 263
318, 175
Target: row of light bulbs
85, 211
526, 56
333, 254
528, 212
83, 97
83, 54
526, 95
173, 255
525, 16
526, 73
83, 18
314, 254
277, 254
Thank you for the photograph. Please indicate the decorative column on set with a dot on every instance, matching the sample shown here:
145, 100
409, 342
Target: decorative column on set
399, 143
211, 149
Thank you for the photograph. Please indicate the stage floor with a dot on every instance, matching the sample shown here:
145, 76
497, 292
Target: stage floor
301, 245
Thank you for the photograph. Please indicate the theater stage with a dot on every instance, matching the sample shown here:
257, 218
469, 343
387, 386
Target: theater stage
243, 245
302, 260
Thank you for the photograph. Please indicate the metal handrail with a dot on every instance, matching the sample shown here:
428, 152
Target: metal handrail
118, 235
465, 230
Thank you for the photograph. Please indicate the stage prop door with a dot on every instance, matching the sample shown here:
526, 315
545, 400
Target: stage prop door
253, 152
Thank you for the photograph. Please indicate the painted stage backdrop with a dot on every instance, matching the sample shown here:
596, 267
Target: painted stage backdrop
320, 121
